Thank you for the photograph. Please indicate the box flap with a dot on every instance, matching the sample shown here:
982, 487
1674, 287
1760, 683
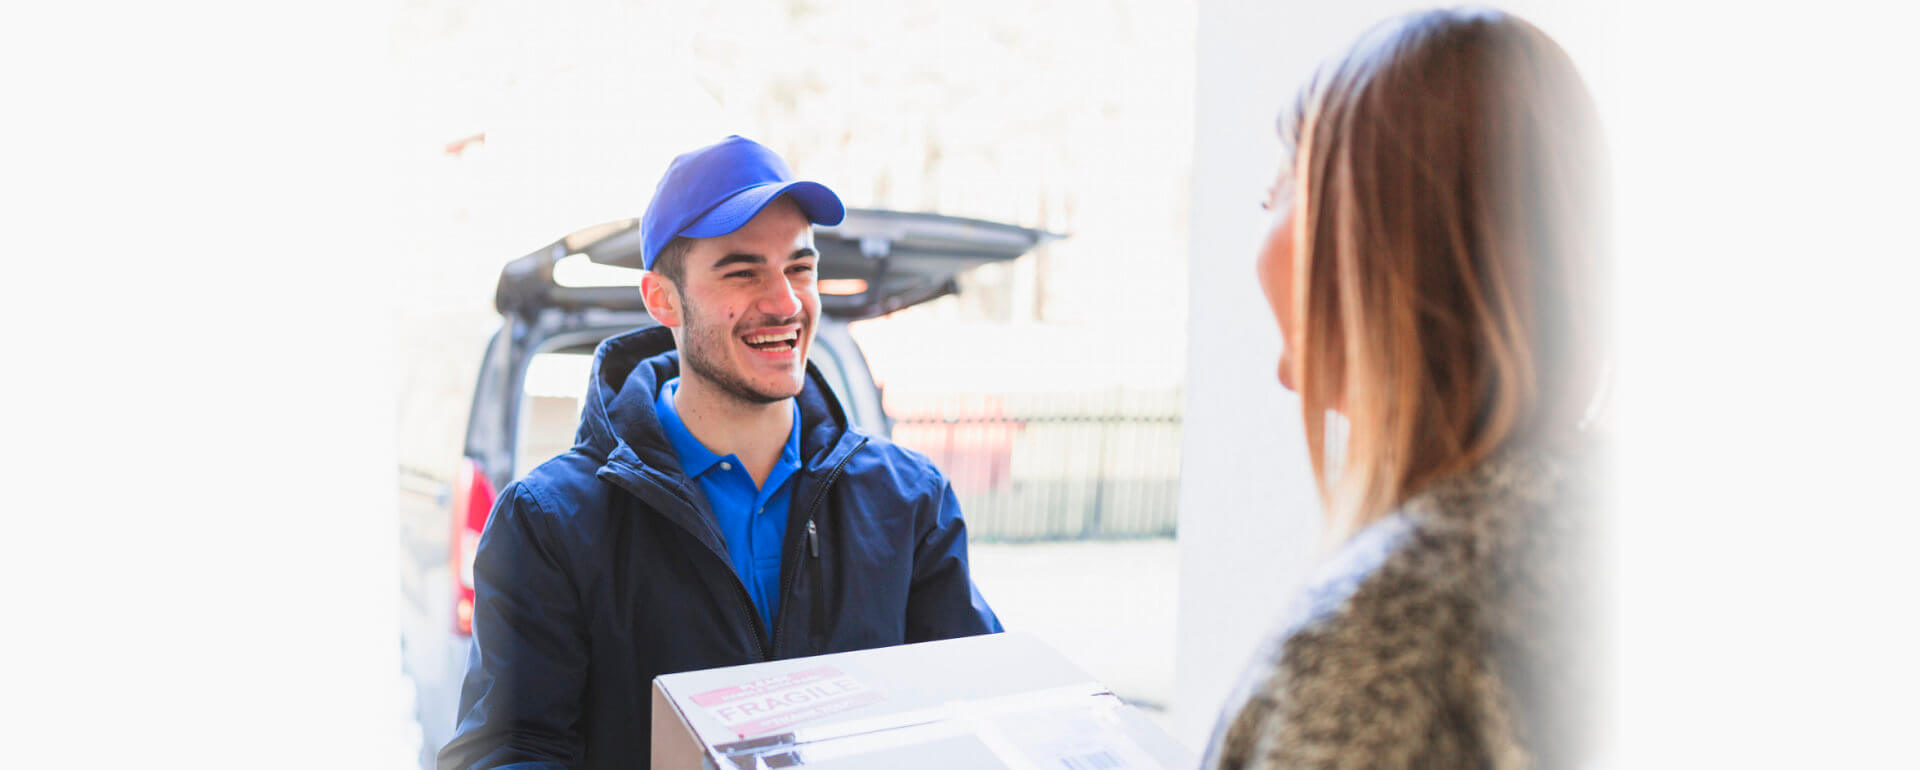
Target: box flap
727, 705
996, 701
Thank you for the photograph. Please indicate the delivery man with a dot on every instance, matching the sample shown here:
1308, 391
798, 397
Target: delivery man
717, 507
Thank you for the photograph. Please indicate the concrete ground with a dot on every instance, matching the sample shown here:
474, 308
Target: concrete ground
1107, 605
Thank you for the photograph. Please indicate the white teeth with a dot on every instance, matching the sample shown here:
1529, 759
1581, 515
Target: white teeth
760, 339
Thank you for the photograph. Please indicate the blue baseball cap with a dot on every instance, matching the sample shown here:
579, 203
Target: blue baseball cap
714, 190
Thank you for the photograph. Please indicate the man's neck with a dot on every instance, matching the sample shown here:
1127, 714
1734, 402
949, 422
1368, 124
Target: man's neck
755, 433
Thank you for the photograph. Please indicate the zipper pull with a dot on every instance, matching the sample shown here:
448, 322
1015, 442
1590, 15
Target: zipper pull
813, 539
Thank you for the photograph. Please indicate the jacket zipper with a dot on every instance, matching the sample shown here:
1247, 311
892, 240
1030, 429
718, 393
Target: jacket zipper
790, 576
753, 613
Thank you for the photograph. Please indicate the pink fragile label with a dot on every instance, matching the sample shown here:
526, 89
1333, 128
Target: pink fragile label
763, 705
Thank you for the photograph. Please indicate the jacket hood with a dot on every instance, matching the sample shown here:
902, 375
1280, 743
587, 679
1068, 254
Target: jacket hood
618, 423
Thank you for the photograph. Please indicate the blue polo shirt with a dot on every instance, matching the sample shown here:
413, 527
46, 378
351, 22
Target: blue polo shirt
753, 521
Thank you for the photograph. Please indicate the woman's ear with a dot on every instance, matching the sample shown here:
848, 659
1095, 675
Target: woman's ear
662, 298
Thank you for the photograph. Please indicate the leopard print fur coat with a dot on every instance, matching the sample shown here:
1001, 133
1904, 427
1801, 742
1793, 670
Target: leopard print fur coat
1457, 632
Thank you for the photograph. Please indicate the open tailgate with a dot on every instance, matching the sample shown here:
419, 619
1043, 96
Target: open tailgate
873, 263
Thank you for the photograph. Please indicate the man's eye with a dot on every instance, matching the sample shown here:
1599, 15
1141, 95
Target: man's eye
740, 274
800, 269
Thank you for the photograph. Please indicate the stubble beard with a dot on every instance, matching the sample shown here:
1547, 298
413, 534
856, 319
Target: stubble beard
708, 345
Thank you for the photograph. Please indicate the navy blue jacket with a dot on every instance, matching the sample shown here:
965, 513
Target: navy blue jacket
603, 569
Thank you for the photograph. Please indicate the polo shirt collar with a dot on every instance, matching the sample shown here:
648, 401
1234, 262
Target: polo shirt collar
695, 457
790, 456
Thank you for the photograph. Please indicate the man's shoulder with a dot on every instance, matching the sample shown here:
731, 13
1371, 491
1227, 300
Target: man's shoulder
564, 487
902, 466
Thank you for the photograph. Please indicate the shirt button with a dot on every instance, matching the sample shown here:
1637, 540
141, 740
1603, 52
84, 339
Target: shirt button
726, 466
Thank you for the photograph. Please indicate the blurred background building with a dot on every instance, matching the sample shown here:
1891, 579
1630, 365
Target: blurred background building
522, 122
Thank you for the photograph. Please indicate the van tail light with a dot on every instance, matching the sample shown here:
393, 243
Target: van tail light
472, 502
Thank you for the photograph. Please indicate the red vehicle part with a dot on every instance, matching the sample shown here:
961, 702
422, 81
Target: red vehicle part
472, 503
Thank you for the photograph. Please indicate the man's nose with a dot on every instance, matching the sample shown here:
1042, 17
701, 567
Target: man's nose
781, 299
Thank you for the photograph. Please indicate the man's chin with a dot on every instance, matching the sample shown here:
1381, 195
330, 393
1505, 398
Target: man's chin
737, 382
779, 388
788, 390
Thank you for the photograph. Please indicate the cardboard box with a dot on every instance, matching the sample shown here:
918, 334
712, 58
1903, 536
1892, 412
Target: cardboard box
997, 701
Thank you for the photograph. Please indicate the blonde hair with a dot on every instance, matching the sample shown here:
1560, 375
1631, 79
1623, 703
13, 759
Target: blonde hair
1448, 244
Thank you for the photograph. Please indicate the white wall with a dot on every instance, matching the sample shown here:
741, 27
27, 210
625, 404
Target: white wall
1248, 513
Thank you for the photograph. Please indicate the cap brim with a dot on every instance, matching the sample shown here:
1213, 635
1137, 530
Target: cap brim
818, 203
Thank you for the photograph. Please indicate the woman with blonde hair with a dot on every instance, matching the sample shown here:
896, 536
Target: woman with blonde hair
1434, 267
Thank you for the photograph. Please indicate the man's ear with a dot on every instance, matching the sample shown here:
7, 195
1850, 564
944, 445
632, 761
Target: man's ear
662, 298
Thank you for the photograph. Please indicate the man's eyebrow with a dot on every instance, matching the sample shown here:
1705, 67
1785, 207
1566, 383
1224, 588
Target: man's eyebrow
741, 257
738, 258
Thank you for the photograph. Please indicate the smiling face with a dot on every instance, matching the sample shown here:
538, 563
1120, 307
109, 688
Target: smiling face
745, 315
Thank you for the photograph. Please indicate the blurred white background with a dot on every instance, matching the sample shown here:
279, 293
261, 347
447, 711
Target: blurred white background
209, 214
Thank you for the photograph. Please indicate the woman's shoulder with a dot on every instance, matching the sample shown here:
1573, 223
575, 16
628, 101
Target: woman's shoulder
1394, 631
1498, 551
1378, 568
1448, 542
1343, 676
